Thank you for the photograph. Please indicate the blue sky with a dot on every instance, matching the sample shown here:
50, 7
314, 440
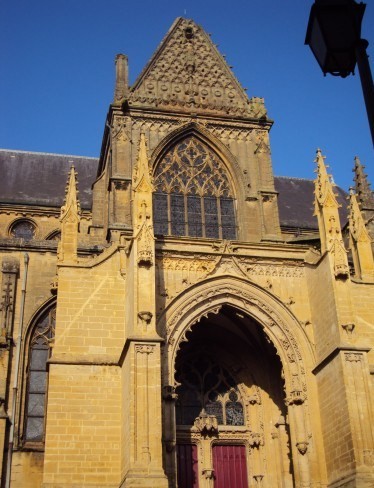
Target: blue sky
57, 74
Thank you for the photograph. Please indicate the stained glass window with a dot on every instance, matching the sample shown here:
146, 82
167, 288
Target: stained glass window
39, 352
206, 385
23, 229
192, 193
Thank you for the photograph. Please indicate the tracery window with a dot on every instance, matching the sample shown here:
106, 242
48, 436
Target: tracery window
206, 385
192, 193
23, 229
37, 376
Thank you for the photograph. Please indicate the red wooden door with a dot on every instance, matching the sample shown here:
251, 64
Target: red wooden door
230, 467
188, 473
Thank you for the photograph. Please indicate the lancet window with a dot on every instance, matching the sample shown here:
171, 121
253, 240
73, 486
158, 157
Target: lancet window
192, 193
37, 376
206, 385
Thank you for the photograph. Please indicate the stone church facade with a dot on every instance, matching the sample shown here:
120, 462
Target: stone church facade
190, 321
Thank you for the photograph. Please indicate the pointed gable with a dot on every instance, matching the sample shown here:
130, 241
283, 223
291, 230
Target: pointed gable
187, 73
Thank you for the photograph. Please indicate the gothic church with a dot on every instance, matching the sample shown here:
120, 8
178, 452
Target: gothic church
185, 319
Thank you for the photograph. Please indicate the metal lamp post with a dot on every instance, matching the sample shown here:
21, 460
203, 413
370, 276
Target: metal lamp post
334, 36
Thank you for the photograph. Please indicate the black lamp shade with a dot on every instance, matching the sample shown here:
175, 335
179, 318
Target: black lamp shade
334, 30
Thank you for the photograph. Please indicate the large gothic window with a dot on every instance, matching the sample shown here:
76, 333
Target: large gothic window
39, 353
206, 385
192, 193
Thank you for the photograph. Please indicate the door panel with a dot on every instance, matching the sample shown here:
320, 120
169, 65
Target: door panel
230, 467
188, 473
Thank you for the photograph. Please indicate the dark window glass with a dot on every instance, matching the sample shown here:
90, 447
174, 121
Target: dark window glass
160, 212
178, 227
23, 230
39, 352
234, 413
228, 218
195, 228
205, 385
215, 408
211, 217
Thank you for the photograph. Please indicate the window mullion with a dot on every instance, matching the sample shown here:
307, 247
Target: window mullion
220, 234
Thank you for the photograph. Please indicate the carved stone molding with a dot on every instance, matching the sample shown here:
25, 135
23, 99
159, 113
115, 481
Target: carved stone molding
144, 348
353, 357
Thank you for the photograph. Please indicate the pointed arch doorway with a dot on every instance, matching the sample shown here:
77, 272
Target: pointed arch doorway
230, 413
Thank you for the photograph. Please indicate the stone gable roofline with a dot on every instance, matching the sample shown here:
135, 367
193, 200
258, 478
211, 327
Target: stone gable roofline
187, 73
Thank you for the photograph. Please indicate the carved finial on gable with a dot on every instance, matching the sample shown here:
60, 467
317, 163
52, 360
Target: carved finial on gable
70, 219
142, 176
326, 209
122, 82
360, 241
324, 192
362, 188
71, 208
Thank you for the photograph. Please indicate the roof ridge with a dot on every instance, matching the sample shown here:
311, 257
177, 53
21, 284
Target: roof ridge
294, 178
18, 151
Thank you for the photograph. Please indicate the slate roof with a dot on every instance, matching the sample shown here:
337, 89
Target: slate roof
30, 178
296, 202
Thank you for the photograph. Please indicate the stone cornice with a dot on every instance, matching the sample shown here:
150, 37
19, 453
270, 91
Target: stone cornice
336, 350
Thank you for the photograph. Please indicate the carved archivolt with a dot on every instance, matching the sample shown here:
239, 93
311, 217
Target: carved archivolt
278, 322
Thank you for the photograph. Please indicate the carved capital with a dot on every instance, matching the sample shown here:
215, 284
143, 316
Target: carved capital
168, 393
256, 439
170, 446
208, 474
353, 357
145, 317
54, 285
296, 397
302, 447
206, 424
144, 348
349, 328
258, 478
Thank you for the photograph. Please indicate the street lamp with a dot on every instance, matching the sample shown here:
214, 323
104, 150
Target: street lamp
334, 36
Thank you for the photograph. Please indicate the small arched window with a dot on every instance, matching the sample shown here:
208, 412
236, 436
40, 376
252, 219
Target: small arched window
37, 376
23, 229
54, 236
192, 195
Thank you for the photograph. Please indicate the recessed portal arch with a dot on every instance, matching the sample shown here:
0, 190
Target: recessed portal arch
245, 331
